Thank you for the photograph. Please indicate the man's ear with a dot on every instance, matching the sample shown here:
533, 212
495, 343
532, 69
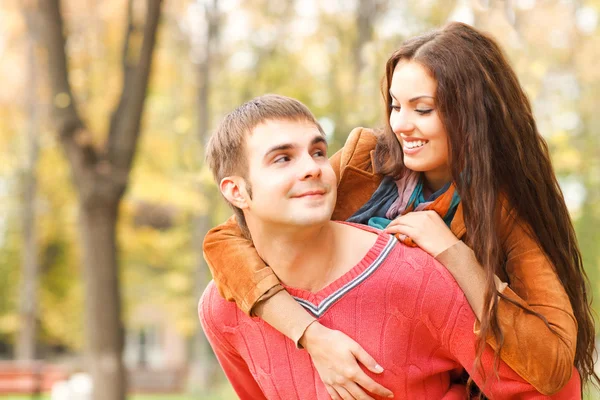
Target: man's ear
234, 190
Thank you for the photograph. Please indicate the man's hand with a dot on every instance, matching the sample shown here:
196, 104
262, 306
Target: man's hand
335, 357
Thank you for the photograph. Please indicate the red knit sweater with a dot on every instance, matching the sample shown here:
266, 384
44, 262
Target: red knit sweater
400, 304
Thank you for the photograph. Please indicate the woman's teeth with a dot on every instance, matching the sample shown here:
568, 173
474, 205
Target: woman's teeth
415, 143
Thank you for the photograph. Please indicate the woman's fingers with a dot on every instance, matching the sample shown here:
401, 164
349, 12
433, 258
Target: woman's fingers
402, 229
336, 358
332, 393
357, 392
365, 359
346, 395
369, 384
410, 220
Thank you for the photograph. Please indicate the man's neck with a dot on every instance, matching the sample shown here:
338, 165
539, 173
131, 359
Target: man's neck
311, 258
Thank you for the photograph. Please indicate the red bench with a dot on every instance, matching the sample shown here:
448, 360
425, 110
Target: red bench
29, 377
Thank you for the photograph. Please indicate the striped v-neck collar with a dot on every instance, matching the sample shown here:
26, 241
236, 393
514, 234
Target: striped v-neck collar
318, 303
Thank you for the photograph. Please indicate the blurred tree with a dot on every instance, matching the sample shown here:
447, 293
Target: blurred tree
204, 364
101, 176
367, 14
583, 59
28, 294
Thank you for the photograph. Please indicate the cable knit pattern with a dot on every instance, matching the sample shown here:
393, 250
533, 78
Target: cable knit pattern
399, 303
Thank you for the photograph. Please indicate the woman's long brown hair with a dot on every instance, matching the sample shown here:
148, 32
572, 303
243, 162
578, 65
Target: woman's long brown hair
495, 149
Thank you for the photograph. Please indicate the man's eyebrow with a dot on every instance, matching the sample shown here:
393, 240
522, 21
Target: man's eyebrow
319, 139
279, 147
289, 146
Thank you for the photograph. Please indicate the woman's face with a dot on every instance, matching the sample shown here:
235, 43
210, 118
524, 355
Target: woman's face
415, 121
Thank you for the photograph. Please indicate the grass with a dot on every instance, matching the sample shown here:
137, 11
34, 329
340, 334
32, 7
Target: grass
213, 396
224, 393
132, 397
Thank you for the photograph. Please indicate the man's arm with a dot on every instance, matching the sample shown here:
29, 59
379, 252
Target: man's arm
233, 364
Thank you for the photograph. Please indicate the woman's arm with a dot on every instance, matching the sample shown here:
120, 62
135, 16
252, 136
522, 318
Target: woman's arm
535, 285
542, 354
239, 272
450, 321
503, 381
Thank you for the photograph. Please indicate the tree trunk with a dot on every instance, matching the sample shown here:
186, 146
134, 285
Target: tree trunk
101, 178
104, 328
366, 14
28, 310
204, 364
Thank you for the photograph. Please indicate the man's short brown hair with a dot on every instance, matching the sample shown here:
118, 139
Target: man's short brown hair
226, 149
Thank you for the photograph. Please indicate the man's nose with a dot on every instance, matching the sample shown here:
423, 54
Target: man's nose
310, 167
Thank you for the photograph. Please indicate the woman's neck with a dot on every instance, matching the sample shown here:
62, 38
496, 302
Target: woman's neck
435, 180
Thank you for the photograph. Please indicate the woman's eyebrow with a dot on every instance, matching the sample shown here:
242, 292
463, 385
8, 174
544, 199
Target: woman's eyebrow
414, 98
420, 97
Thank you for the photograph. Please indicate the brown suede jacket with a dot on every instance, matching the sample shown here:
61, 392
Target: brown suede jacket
543, 355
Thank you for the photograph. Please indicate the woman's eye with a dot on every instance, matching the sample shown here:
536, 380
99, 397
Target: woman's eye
395, 107
424, 111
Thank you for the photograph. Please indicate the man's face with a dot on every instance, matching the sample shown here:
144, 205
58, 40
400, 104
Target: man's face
291, 178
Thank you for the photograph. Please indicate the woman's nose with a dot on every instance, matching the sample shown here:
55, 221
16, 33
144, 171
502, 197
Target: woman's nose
401, 123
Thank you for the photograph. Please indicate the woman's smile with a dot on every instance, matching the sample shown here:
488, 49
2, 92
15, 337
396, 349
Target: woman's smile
413, 146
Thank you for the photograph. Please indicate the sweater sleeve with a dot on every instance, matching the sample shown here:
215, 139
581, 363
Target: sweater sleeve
233, 364
455, 332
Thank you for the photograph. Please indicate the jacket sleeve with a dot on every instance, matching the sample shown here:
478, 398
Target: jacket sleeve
443, 299
238, 271
542, 354
503, 383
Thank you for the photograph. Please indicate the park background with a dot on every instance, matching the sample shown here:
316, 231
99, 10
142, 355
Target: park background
104, 195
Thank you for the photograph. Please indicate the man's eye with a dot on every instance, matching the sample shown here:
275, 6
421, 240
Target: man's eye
281, 159
319, 153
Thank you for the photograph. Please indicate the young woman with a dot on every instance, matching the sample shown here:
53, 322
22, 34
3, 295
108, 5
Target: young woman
461, 171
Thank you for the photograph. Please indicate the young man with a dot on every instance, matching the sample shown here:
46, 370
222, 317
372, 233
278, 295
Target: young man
269, 157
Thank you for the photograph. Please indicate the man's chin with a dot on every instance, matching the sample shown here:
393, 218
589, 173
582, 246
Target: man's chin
312, 217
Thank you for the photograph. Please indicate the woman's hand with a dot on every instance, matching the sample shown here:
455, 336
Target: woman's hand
426, 229
335, 356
